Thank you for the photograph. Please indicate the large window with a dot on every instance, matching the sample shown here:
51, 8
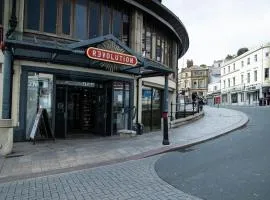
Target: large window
39, 95
266, 73
80, 19
156, 45
94, 19
50, 13
255, 75
151, 108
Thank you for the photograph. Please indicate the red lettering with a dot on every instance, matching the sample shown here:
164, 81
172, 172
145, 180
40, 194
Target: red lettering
94, 52
99, 54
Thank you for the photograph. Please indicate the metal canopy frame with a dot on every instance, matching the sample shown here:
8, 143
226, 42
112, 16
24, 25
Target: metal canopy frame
73, 53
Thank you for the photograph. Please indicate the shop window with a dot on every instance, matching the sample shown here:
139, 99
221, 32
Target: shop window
254, 96
234, 98
242, 97
151, 109
39, 95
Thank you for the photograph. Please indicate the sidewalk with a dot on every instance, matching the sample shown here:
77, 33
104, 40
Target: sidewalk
67, 155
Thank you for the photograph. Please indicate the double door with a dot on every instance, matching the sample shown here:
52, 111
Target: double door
81, 110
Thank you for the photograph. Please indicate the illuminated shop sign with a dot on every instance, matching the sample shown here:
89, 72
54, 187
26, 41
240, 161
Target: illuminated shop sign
111, 56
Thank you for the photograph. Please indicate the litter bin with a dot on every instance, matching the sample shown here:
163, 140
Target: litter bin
138, 128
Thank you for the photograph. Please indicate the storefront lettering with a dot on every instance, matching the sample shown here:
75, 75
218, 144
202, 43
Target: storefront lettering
111, 56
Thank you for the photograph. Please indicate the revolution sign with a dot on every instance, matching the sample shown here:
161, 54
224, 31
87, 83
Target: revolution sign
111, 56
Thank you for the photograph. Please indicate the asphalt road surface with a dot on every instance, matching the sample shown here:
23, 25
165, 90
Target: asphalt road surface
235, 166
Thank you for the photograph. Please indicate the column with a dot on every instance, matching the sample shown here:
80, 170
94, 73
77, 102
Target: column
7, 80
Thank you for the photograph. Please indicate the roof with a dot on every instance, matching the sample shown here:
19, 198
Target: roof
73, 53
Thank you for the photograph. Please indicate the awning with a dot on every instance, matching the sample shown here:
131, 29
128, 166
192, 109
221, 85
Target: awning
29, 47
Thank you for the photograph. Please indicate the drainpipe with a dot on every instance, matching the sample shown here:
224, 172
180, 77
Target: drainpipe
7, 70
7, 82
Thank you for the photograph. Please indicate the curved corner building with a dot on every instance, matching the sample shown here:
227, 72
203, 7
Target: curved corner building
95, 66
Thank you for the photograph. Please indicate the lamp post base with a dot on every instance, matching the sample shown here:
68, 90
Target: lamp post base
165, 142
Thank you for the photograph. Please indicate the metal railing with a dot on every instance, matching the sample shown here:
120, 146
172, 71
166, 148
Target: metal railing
182, 110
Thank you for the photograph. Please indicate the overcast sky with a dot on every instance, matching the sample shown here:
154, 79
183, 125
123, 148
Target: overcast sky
217, 27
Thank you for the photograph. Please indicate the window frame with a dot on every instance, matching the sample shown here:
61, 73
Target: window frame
255, 76
255, 58
266, 73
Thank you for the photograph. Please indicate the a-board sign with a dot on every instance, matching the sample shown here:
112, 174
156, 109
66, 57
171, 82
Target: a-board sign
41, 126
36, 123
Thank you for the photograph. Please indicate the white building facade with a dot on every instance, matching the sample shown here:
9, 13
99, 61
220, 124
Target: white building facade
213, 93
245, 79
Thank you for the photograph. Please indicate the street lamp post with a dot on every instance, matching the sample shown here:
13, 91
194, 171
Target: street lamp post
165, 113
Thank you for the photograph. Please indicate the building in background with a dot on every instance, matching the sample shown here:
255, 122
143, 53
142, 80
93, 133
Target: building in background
194, 80
245, 78
91, 64
213, 93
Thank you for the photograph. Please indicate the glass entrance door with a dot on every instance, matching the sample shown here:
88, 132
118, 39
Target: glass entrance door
151, 109
81, 109
121, 106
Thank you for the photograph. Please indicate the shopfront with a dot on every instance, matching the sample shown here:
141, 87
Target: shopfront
93, 98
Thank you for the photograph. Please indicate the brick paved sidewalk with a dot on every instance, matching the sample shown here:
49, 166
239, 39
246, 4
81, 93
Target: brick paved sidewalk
66, 155
132, 180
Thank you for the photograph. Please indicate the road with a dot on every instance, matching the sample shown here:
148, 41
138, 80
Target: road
235, 166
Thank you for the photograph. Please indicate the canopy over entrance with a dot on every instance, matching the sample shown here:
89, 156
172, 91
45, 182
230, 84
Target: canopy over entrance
74, 53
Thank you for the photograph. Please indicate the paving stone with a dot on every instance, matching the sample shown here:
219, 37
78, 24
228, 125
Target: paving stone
132, 180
